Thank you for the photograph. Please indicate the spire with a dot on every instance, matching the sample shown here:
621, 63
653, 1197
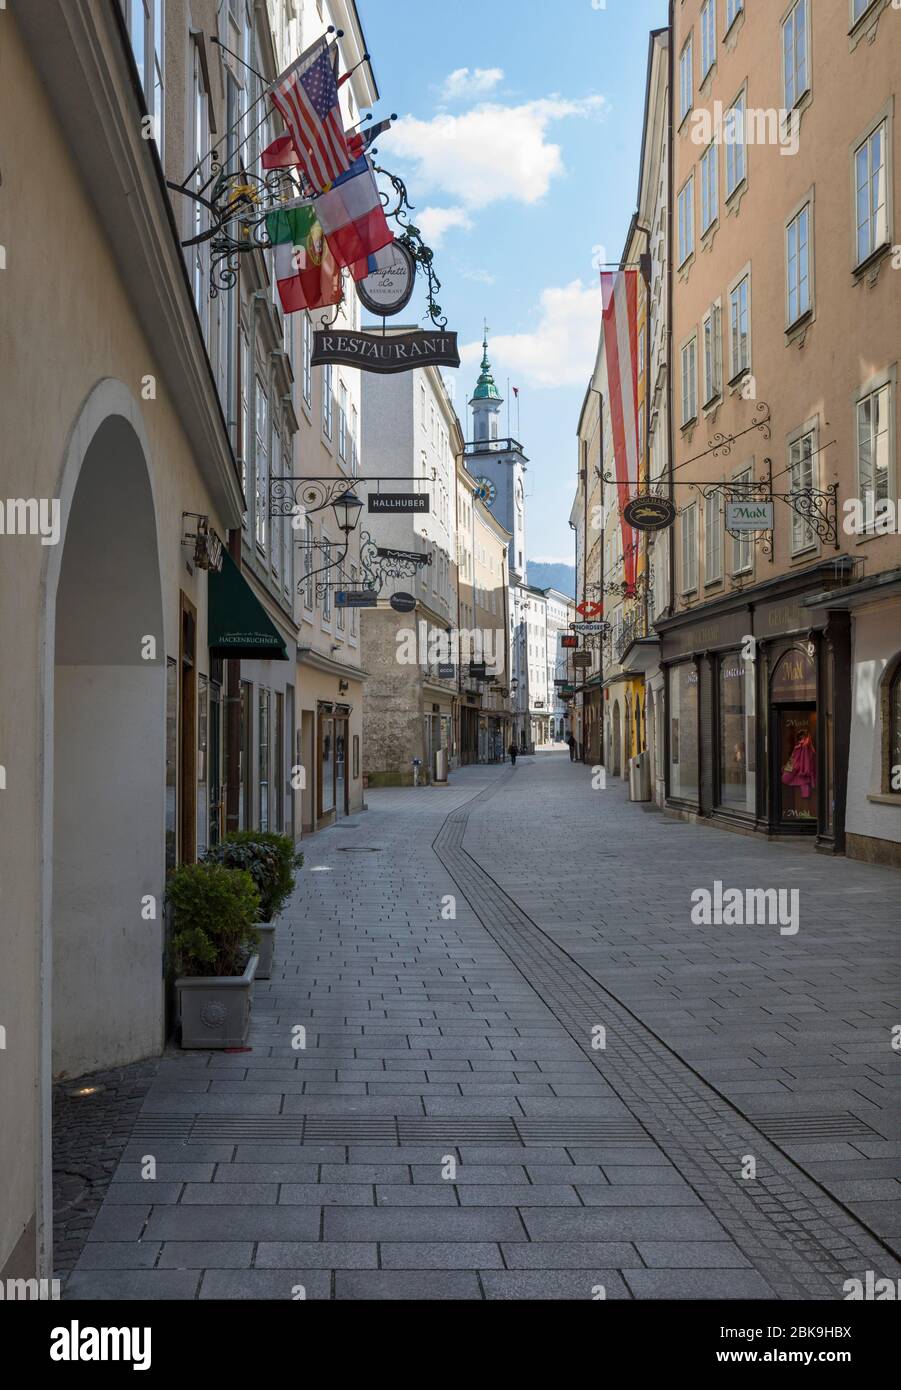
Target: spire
485, 387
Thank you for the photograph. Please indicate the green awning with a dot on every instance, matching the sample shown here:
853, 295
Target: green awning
238, 623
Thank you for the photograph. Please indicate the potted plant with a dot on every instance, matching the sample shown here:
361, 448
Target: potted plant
214, 952
271, 861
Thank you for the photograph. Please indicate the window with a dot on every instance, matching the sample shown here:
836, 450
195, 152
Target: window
794, 54
340, 617
687, 220
709, 189
686, 88
874, 449
354, 433
894, 732
733, 9
326, 581
742, 545
245, 413
144, 21
689, 381
278, 764
872, 200
683, 731
797, 265
261, 463
277, 525
307, 350
199, 147
734, 137
342, 420
689, 549
327, 400
245, 759
737, 779
740, 328
422, 409
710, 329
713, 538
264, 758
858, 8
308, 567
708, 36
801, 471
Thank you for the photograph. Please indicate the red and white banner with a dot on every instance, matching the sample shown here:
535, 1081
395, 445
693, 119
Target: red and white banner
619, 290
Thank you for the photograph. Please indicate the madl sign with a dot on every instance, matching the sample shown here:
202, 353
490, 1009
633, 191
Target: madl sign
377, 352
749, 516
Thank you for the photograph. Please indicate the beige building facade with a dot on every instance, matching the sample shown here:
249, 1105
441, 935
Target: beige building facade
784, 646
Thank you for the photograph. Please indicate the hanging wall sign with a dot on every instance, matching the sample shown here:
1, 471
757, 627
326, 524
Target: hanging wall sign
357, 598
403, 603
749, 516
388, 290
591, 629
395, 352
649, 513
399, 502
569, 643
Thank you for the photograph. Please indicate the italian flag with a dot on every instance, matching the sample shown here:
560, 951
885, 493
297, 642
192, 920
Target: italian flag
305, 269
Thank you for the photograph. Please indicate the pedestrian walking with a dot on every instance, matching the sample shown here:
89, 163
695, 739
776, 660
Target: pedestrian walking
572, 748
513, 751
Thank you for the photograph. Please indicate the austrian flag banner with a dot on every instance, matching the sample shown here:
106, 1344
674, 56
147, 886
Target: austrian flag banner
619, 291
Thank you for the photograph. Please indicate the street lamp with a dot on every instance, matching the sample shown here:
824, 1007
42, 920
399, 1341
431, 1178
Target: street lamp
347, 509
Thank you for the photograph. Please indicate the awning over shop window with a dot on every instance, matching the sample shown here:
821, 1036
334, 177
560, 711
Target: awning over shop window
238, 624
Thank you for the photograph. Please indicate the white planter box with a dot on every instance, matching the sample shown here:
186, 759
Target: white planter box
215, 1009
265, 949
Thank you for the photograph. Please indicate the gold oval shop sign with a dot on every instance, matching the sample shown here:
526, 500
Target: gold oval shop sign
647, 513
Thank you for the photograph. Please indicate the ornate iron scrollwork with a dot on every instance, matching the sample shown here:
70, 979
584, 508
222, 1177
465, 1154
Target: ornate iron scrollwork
411, 238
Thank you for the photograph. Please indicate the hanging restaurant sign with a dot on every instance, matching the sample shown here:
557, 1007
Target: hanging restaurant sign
569, 643
357, 598
385, 353
582, 659
389, 289
756, 515
649, 513
399, 502
591, 629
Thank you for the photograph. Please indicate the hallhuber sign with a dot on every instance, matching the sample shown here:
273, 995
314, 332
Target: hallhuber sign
394, 352
399, 502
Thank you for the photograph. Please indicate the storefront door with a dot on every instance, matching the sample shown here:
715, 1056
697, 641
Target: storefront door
340, 768
797, 744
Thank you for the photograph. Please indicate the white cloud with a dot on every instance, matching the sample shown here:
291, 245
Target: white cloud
490, 153
481, 277
434, 222
463, 83
561, 348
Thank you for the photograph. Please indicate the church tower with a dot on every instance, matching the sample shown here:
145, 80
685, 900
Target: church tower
498, 465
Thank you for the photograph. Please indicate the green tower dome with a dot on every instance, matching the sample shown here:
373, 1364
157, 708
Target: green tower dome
485, 387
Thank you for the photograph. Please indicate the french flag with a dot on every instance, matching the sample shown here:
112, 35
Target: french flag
352, 215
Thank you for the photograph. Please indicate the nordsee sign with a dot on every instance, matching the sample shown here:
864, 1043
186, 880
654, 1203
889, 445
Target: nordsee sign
749, 516
393, 352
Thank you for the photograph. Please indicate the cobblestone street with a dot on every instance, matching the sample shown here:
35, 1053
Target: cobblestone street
452, 1130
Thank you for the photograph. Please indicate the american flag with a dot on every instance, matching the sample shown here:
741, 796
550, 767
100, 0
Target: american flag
306, 96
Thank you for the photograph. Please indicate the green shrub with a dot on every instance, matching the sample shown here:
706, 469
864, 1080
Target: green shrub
215, 910
270, 860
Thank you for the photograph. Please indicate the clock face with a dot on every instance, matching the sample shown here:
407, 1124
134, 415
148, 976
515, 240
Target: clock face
485, 491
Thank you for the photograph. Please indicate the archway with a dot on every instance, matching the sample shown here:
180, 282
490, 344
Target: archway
106, 742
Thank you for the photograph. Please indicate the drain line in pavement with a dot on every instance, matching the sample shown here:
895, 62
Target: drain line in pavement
798, 1237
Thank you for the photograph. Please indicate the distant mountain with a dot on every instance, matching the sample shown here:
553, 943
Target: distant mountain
562, 577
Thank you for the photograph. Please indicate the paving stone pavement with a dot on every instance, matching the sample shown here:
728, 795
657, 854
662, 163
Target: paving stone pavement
447, 1130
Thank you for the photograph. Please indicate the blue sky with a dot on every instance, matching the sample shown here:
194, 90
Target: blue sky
519, 139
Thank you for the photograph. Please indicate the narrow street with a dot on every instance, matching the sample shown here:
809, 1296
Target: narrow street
505, 1092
